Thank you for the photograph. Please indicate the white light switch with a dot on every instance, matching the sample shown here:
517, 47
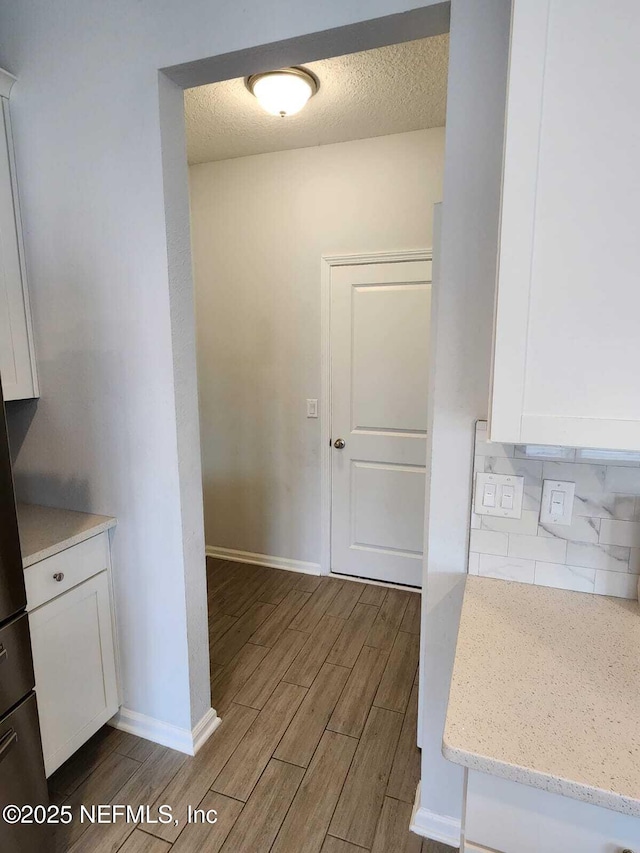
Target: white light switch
489, 496
557, 502
499, 494
312, 408
506, 500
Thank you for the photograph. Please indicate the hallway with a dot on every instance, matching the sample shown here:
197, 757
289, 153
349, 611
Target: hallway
316, 682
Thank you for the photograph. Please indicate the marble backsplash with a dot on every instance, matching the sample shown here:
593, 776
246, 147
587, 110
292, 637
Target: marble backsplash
599, 552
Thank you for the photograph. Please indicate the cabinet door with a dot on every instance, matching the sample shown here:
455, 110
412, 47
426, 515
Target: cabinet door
567, 346
506, 816
74, 664
17, 362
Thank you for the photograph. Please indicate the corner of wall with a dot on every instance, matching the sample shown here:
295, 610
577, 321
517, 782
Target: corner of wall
176, 199
464, 278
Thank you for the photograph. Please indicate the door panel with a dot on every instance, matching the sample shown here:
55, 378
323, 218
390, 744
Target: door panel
379, 379
388, 507
381, 357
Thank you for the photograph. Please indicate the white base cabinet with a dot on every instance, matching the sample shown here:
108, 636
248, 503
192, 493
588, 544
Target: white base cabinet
70, 616
506, 817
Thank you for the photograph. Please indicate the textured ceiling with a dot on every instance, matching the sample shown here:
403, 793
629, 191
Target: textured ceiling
373, 93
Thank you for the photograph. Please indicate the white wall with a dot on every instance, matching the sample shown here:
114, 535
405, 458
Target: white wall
113, 340
462, 314
259, 227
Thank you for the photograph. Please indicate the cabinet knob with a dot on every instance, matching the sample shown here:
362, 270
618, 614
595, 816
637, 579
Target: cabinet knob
58, 576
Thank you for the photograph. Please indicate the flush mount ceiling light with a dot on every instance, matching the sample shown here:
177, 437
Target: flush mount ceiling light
283, 92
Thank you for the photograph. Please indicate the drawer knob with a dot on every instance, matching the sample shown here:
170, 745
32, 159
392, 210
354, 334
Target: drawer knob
58, 576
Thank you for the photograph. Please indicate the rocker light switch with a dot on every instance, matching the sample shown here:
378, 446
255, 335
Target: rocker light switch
557, 502
506, 501
489, 495
499, 494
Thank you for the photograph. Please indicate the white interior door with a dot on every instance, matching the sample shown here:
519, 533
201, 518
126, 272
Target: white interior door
380, 321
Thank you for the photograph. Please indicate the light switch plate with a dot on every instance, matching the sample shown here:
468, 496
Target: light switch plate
557, 502
499, 495
312, 408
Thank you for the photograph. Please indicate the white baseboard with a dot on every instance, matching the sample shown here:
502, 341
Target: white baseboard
203, 730
188, 741
263, 560
437, 827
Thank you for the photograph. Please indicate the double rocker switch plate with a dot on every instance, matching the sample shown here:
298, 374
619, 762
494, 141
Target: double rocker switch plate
501, 495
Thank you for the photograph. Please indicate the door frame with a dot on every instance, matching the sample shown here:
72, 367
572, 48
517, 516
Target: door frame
327, 263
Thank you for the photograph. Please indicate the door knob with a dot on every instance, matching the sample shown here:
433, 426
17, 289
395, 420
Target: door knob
339, 443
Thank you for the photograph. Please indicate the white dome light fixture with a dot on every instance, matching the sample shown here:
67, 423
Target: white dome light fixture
284, 92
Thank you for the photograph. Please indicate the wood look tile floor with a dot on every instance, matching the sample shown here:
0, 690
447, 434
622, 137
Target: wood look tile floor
316, 683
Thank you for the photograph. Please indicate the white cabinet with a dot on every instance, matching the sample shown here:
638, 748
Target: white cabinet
17, 359
505, 817
567, 342
70, 617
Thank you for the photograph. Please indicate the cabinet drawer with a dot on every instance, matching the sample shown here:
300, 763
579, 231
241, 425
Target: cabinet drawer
16, 669
61, 572
512, 818
22, 779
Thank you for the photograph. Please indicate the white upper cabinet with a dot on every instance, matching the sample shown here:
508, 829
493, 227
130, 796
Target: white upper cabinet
17, 360
567, 338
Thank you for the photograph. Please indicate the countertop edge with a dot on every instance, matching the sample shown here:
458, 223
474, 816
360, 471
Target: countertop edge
537, 779
76, 539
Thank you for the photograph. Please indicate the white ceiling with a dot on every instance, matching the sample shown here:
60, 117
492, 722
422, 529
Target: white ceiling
373, 93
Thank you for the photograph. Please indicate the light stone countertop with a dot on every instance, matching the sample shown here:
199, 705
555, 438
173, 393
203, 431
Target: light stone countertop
45, 531
546, 691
